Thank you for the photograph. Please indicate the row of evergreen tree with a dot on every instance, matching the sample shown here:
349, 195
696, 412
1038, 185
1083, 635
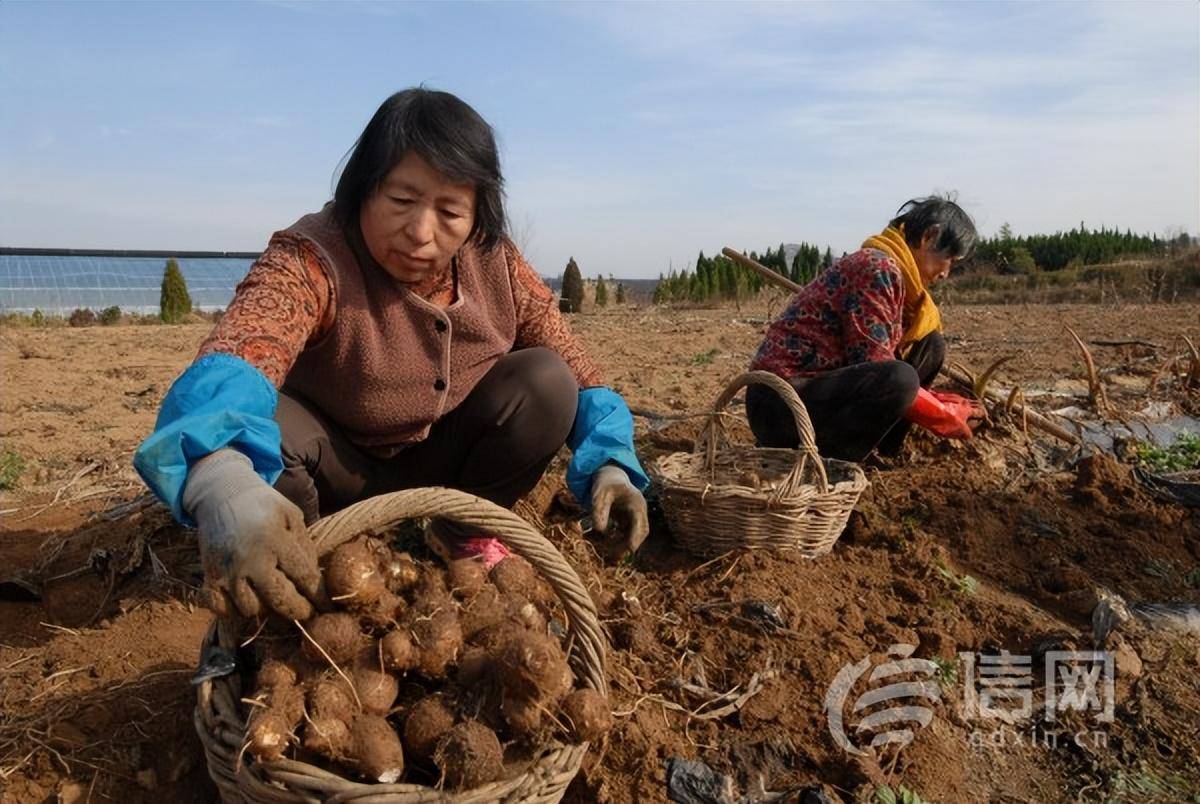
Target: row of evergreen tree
571, 297
720, 278
1082, 246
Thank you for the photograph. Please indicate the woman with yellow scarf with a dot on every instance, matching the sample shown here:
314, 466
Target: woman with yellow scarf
862, 342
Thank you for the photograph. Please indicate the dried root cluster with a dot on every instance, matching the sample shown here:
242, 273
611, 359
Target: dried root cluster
424, 674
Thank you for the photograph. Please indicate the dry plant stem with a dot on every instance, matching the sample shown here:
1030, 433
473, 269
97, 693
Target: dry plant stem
332, 664
736, 702
1146, 344
1165, 368
1096, 395
710, 562
91, 467
979, 387
646, 413
125, 509
261, 625
22, 731
964, 377
1193, 375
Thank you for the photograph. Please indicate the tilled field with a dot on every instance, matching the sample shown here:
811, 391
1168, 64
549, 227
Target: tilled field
998, 545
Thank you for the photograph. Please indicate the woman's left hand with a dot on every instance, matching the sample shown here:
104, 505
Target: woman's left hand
615, 498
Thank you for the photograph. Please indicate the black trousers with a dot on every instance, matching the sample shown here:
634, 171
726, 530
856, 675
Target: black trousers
853, 409
496, 444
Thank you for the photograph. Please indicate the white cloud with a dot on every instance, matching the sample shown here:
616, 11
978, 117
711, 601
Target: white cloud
1039, 114
741, 124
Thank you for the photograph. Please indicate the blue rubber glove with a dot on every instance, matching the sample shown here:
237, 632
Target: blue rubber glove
604, 474
602, 434
220, 401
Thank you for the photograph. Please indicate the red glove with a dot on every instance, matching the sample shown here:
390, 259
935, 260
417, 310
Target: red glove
962, 407
930, 412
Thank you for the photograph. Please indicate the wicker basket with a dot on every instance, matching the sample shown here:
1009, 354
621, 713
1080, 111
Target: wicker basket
718, 499
222, 726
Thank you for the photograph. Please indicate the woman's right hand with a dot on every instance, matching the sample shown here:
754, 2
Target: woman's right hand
254, 547
930, 412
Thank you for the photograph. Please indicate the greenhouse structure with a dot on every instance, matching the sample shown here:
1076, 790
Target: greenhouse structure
59, 281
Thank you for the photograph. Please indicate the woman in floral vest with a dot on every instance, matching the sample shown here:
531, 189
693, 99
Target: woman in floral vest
862, 343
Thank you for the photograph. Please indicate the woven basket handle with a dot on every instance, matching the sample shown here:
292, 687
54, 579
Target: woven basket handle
479, 515
808, 459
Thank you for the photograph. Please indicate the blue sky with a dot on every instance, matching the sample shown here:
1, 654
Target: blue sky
633, 135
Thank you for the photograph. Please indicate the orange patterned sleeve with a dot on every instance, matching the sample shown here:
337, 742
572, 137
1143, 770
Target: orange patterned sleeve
539, 323
285, 302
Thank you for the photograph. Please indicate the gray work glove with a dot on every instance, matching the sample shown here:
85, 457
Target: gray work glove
614, 496
253, 545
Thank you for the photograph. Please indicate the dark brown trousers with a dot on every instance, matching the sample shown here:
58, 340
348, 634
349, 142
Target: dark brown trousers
496, 444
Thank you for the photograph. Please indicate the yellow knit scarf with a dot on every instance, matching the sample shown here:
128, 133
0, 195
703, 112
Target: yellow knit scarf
919, 310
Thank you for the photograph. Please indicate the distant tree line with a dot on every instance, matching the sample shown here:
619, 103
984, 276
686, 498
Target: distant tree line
1078, 247
571, 296
720, 278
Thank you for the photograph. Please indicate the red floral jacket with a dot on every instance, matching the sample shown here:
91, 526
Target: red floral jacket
851, 313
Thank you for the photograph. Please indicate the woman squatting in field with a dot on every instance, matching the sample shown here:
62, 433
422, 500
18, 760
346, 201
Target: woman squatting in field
862, 342
411, 345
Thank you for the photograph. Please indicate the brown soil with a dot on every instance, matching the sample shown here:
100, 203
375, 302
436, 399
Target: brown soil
94, 692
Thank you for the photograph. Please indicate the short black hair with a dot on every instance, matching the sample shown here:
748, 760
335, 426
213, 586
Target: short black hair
448, 134
956, 233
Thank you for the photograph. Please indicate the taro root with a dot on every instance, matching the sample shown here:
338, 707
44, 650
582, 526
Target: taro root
352, 576
338, 633
385, 612
486, 609
431, 594
495, 637
275, 673
399, 653
473, 665
510, 619
327, 736
587, 714
377, 690
428, 721
439, 639
288, 702
268, 734
330, 698
515, 577
469, 756
400, 572
467, 577
534, 666
528, 615
488, 634
376, 749
524, 716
